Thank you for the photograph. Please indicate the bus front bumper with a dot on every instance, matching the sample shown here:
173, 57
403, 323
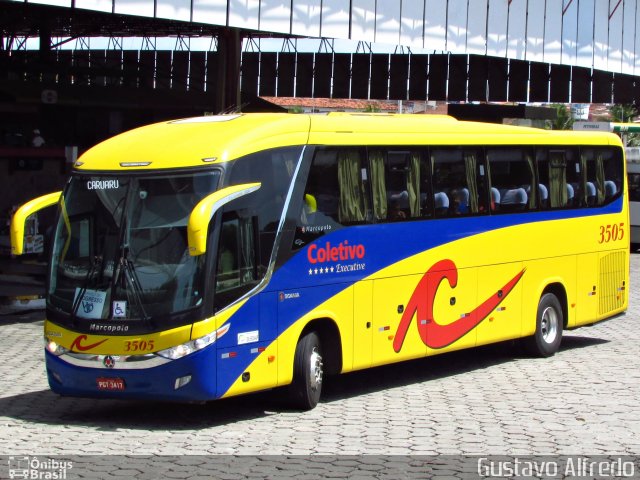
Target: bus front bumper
188, 379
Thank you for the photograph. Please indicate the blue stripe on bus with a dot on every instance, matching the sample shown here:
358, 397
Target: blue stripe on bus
382, 245
382, 250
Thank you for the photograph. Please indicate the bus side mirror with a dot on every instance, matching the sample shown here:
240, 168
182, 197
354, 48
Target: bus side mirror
20, 217
204, 211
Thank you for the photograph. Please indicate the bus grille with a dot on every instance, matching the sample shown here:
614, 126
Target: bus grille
612, 282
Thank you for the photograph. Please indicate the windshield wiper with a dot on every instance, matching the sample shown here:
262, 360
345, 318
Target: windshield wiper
124, 265
130, 274
97, 260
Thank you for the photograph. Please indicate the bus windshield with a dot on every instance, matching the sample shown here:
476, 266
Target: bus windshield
120, 249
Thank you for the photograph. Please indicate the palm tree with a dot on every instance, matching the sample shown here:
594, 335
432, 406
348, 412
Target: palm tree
564, 120
625, 113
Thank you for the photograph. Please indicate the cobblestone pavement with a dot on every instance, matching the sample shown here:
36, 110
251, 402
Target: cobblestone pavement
487, 401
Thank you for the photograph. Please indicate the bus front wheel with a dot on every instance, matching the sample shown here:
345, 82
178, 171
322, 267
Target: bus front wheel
549, 321
307, 372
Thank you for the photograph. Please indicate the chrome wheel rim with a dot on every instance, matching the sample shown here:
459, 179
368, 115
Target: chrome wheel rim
549, 325
315, 369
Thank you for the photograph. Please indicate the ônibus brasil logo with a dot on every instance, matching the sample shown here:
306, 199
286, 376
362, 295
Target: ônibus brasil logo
438, 335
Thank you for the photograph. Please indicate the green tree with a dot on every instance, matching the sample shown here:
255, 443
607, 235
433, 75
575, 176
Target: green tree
625, 113
371, 108
564, 120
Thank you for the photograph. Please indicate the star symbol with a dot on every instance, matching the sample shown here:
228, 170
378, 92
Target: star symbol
310, 271
331, 269
315, 271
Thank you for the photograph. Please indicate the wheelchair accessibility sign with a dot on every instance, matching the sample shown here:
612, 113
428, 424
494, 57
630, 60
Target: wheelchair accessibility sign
119, 309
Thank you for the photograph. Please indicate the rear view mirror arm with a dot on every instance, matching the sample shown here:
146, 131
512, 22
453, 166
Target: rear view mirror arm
204, 211
20, 217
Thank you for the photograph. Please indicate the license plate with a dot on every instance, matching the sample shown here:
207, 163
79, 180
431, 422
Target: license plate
110, 383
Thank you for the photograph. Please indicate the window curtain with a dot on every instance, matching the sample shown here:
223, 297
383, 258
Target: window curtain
557, 180
583, 178
413, 184
533, 191
599, 171
352, 206
600, 177
470, 165
378, 185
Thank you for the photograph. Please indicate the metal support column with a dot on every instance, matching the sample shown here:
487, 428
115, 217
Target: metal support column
227, 91
44, 34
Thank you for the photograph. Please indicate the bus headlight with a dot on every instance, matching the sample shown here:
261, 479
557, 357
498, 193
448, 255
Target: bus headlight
54, 348
185, 349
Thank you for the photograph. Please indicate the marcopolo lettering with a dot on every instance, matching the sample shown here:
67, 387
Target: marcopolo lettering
330, 253
103, 184
98, 327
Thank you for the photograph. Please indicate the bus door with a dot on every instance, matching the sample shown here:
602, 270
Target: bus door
453, 293
242, 367
240, 359
390, 304
505, 320
362, 324
417, 315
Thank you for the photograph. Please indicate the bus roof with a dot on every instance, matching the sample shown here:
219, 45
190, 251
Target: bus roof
203, 141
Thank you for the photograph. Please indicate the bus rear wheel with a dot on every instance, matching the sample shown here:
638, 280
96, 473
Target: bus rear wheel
308, 372
549, 321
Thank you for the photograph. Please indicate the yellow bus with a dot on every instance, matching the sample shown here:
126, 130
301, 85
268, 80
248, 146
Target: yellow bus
215, 256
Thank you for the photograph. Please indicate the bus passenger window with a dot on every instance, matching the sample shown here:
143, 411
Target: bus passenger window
613, 173
556, 173
377, 160
459, 184
602, 175
337, 184
574, 184
634, 187
335, 194
512, 173
398, 184
353, 206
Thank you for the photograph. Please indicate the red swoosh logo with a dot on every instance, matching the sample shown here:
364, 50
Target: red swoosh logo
83, 348
432, 333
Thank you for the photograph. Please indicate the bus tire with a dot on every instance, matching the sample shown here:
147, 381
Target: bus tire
549, 322
307, 373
